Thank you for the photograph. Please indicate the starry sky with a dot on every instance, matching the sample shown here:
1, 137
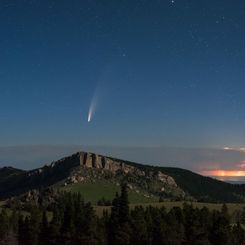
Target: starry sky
157, 73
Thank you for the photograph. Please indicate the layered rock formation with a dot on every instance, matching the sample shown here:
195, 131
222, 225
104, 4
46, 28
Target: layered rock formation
106, 164
91, 160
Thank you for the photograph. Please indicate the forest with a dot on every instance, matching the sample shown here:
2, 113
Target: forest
72, 221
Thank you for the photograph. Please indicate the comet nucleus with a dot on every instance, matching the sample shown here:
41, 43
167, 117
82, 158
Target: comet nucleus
89, 117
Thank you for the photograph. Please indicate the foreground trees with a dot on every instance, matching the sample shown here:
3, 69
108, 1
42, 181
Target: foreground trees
71, 221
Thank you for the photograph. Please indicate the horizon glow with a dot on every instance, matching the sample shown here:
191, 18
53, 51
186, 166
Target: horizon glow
241, 149
224, 173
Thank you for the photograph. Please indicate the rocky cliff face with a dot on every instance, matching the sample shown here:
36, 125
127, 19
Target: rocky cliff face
91, 160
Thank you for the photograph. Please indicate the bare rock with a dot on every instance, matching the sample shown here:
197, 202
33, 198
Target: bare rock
166, 179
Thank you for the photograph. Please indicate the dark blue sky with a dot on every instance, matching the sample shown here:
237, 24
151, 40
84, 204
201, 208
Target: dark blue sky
163, 73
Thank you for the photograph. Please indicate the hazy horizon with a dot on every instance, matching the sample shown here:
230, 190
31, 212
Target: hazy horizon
200, 160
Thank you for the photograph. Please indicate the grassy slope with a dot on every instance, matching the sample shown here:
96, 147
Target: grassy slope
92, 192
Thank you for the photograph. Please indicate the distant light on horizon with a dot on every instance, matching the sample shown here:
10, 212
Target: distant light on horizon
223, 173
228, 148
241, 149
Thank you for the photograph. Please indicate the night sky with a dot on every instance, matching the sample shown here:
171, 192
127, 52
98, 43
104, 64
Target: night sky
156, 73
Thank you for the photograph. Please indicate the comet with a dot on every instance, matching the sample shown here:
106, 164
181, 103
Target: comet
89, 116
91, 109
99, 91
93, 105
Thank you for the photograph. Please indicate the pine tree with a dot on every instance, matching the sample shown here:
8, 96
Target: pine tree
67, 228
4, 224
225, 213
238, 235
21, 230
24, 231
44, 231
123, 205
14, 217
119, 225
139, 226
114, 219
34, 225
220, 229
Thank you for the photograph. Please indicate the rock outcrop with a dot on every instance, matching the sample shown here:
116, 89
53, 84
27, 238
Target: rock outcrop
97, 162
94, 161
166, 179
91, 160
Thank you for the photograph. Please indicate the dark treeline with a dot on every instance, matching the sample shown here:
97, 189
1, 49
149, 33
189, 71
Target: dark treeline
72, 221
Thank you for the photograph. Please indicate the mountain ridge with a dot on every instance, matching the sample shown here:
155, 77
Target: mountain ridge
86, 167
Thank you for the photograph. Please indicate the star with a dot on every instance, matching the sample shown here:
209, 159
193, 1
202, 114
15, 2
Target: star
172, 1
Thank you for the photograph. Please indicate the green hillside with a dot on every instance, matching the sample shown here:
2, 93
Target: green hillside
92, 192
